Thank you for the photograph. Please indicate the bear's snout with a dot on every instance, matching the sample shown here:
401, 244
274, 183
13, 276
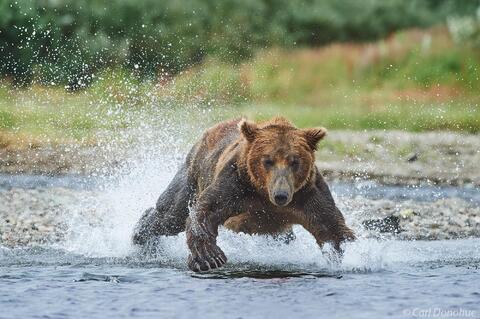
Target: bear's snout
281, 190
281, 198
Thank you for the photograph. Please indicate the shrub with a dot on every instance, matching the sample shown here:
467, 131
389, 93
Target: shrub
67, 41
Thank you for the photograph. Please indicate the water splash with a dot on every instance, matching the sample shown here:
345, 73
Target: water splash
100, 225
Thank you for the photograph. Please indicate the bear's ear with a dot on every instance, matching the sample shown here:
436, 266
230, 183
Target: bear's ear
249, 129
314, 135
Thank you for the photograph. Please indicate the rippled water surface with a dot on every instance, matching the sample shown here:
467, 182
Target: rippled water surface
376, 279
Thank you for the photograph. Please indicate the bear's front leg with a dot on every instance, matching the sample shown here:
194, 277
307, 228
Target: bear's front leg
217, 203
319, 215
202, 242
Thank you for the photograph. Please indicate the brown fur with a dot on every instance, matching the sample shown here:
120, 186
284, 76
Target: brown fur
252, 178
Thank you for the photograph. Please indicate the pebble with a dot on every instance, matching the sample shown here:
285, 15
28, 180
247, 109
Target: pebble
39, 216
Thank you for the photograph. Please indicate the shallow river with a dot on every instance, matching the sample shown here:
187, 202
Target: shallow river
264, 278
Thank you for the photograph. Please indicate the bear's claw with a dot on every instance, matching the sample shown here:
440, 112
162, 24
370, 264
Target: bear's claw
206, 258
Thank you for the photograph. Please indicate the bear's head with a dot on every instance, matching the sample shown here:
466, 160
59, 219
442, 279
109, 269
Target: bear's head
279, 157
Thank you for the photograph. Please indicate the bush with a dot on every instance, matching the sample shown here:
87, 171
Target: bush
67, 41
466, 29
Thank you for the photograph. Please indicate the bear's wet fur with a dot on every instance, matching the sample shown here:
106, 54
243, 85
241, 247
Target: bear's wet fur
252, 178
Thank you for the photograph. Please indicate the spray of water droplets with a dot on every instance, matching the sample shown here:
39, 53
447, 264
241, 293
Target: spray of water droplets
101, 223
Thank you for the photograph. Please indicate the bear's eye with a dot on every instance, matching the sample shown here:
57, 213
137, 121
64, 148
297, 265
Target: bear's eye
268, 163
294, 163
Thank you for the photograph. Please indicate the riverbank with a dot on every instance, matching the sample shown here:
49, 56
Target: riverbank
47, 215
391, 157
41, 213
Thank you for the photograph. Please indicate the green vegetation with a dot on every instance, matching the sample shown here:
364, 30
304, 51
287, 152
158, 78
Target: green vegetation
43, 115
67, 42
466, 29
414, 80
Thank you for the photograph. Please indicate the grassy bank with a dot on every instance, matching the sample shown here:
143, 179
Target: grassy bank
414, 81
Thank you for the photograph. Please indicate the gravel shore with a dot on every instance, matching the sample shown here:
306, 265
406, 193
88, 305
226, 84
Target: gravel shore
39, 216
395, 157
42, 214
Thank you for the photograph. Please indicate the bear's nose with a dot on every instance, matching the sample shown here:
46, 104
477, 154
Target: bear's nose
281, 198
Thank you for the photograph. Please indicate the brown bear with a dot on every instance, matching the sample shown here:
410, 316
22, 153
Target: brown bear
251, 178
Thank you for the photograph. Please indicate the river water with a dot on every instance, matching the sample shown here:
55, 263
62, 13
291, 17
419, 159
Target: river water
395, 279
97, 274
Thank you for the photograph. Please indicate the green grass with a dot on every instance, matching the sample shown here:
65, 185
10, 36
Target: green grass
7, 120
54, 116
414, 81
407, 117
